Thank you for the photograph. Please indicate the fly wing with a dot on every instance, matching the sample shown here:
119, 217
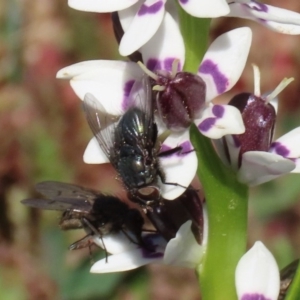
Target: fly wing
61, 204
141, 97
63, 196
102, 124
57, 190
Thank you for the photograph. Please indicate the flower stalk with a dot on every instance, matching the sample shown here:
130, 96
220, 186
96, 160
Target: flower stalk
226, 198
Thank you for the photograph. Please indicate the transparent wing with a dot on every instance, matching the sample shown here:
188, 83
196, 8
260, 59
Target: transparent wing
102, 124
141, 96
61, 204
57, 190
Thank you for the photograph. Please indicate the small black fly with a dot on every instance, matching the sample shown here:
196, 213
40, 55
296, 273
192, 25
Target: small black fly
98, 214
131, 143
287, 275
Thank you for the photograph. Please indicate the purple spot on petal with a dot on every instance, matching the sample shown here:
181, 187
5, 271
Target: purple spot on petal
254, 297
126, 92
153, 64
207, 124
218, 111
220, 80
258, 6
151, 9
186, 147
280, 149
183, 1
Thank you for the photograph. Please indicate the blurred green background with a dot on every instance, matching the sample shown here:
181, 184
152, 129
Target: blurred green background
43, 135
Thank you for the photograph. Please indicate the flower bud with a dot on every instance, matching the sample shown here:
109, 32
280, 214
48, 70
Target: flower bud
259, 119
180, 99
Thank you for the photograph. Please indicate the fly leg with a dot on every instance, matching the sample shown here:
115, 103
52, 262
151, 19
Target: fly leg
97, 233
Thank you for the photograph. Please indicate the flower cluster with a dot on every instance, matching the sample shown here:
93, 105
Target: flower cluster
141, 113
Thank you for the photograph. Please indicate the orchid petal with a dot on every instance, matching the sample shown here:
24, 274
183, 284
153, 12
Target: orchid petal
143, 26
259, 167
93, 153
100, 6
183, 250
224, 61
108, 81
205, 9
131, 257
297, 168
219, 120
124, 261
277, 19
288, 145
116, 242
126, 16
165, 46
257, 274
180, 167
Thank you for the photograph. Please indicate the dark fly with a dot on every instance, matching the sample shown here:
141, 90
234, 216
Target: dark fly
287, 275
98, 214
131, 143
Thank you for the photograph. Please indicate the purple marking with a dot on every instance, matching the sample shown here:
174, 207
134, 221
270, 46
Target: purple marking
183, 1
207, 124
153, 64
254, 297
152, 9
126, 92
218, 111
164, 148
186, 149
221, 81
280, 149
168, 62
257, 6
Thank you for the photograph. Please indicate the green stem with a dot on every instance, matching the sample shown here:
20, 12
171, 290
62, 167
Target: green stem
226, 200
195, 48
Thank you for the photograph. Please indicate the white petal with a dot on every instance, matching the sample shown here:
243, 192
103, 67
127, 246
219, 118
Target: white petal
259, 167
219, 120
297, 168
288, 145
183, 250
225, 60
165, 46
115, 243
180, 167
277, 19
93, 153
124, 261
108, 81
143, 26
101, 6
130, 256
257, 274
205, 9
126, 16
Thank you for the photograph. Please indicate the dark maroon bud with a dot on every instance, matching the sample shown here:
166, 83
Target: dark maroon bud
181, 100
168, 216
119, 32
259, 119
